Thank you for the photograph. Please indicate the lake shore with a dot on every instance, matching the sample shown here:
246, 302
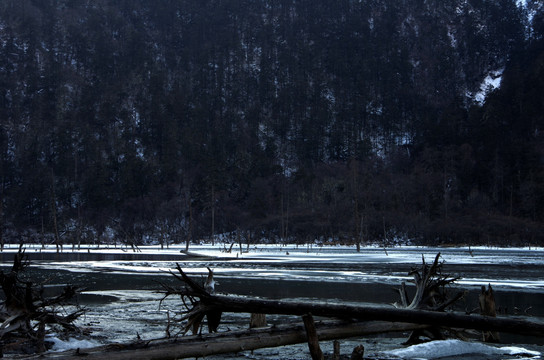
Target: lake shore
121, 285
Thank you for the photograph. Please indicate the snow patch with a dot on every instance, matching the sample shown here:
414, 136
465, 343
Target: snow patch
530, 9
491, 82
63, 345
448, 348
451, 36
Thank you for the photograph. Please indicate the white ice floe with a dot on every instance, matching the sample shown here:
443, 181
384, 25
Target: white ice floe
449, 348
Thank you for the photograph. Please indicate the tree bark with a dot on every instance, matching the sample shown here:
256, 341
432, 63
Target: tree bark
230, 342
486, 300
257, 321
313, 341
336, 350
434, 318
358, 353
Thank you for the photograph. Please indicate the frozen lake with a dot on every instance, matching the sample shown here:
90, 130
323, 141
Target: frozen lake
122, 301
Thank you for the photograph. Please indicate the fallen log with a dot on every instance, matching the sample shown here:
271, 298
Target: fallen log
236, 304
229, 342
382, 313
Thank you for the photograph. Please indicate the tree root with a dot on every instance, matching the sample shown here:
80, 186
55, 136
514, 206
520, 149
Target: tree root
26, 314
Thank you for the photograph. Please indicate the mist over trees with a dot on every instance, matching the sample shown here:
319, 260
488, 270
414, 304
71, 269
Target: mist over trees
290, 120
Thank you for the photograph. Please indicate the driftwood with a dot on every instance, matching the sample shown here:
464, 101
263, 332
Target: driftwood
25, 312
245, 340
229, 342
194, 313
431, 294
431, 286
365, 312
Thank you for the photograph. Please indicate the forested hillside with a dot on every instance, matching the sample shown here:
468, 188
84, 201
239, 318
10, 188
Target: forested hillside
290, 120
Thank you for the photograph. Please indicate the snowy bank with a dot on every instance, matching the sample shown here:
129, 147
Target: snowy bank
450, 348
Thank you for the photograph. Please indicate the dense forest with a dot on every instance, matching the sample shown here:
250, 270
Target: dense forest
142, 121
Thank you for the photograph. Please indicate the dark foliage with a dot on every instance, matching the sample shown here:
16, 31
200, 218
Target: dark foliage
351, 120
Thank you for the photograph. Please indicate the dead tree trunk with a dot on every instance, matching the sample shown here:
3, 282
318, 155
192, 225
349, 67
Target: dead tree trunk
53, 205
313, 341
358, 353
189, 237
439, 319
430, 295
430, 288
231, 341
257, 321
235, 304
486, 301
336, 350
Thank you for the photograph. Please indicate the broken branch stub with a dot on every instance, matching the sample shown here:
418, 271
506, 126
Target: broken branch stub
195, 310
313, 341
430, 294
486, 300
